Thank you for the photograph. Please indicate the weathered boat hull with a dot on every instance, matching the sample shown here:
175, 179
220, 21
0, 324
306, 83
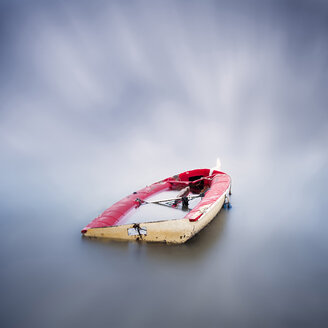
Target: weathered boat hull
110, 224
170, 231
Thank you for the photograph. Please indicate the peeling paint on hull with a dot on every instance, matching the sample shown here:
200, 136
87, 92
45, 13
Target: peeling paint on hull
169, 231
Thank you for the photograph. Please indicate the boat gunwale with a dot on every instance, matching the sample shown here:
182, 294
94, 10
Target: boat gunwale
176, 231
199, 208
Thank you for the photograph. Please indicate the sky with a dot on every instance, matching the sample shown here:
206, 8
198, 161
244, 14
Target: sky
154, 87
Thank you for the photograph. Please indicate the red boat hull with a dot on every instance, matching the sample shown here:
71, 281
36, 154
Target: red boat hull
215, 183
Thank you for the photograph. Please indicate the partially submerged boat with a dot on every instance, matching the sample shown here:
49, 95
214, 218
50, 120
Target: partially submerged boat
171, 210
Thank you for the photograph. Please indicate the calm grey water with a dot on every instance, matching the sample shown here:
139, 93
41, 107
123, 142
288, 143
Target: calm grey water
101, 98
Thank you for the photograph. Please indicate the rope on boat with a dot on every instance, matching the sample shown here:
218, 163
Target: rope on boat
171, 201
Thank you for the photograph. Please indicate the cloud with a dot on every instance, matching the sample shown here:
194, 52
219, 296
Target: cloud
137, 92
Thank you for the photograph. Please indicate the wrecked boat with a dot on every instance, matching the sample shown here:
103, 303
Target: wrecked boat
172, 210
